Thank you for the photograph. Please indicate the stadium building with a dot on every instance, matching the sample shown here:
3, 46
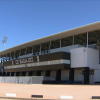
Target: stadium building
71, 56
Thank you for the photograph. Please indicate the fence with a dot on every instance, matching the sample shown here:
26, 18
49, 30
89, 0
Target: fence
22, 80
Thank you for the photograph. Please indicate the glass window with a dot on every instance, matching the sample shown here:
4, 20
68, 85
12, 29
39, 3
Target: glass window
29, 50
66, 41
12, 55
45, 46
94, 37
80, 39
55, 44
17, 54
8, 57
4, 58
23, 51
36, 48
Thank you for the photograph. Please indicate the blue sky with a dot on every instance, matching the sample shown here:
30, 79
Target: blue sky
27, 20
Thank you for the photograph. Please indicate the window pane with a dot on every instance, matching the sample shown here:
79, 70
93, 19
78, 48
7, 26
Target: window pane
36, 48
66, 41
23, 51
45, 46
29, 50
94, 37
17, 54
55, 44
80, 39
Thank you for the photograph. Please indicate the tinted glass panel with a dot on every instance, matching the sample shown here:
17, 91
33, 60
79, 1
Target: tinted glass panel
66, 41
45, 46
80, 39
36, 48
55, 44
94, 37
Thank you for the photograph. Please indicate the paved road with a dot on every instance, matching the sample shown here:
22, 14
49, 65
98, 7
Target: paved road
79, 92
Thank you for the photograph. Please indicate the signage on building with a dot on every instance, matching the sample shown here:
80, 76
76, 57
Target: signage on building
23, 61
91, 72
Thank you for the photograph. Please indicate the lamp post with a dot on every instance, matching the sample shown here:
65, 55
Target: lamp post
4, 41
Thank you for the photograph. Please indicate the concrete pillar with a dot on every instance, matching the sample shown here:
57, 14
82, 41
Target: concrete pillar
86, 75
58, 75
71, 75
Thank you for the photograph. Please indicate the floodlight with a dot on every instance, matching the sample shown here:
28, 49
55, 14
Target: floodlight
4, 41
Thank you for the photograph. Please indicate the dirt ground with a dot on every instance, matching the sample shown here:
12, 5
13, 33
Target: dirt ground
79, 92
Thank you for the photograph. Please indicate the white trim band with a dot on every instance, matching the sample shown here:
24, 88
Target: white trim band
53, 62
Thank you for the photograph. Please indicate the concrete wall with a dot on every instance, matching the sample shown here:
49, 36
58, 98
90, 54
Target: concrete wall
92, 58
97, 75
77, 57
64, 74
53, 74
84, 57
78, 75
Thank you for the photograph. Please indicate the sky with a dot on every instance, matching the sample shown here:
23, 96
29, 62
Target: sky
26, 20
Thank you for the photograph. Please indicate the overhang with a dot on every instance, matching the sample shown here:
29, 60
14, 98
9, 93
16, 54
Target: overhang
71, 32
39, 68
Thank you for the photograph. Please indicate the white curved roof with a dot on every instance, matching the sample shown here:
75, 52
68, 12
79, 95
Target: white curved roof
71, 32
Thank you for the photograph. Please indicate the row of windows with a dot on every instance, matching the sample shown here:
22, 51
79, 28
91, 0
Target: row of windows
93, 38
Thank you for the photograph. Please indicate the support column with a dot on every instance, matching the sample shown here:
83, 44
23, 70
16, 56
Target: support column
71, 75
58, 75
47, 73
38, 73
86, 75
